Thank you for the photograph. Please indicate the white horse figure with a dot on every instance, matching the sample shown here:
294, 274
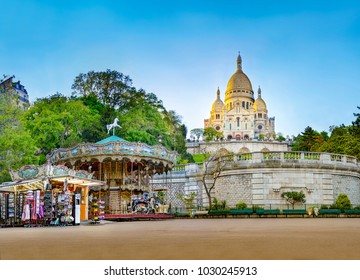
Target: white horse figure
112, 126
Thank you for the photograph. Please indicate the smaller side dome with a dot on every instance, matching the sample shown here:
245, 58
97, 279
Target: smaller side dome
217, 105
259, 104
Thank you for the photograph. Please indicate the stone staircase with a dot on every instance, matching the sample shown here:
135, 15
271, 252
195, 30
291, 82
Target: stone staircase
115, 202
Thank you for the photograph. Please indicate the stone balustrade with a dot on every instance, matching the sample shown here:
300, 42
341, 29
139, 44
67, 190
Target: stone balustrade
301, 157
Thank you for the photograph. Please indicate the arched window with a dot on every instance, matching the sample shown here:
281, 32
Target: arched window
243, 104
238, 122
247, 105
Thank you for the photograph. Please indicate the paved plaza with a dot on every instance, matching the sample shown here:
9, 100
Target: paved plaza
208, 239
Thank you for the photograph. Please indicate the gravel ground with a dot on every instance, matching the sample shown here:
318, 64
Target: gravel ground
188, 239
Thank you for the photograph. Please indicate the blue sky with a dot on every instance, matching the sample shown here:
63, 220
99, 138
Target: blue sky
305, 55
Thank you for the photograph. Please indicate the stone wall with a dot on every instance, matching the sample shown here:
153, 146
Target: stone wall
234, 189
348, 185
260, 179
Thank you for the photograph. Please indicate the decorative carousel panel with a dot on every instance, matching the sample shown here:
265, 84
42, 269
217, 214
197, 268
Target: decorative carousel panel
28, 171
75, 152
90, 149
60, 170
83, 174
108, 149
127, 149
63, 155
147, 151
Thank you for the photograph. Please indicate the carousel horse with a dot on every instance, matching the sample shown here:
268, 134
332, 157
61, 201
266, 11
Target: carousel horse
113, 125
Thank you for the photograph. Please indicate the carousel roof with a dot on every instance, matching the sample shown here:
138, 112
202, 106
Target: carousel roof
113, 146
112, 138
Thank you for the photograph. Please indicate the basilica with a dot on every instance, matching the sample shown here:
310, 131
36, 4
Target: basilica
240, 116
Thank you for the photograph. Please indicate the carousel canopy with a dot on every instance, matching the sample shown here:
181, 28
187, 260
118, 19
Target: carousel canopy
112, 138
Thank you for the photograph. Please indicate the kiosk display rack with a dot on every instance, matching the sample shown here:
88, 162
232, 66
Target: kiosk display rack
97, 210
7, 208
19, 205
48, 207
3, 207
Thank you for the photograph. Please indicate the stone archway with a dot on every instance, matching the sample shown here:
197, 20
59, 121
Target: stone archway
244, 150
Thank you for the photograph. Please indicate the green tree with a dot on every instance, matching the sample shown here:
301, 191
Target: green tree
188, 199
306, 140
17, 147
293, 197
343, 202
57, 121
110, 86
196, 133
213, 166
355, 128
211, 133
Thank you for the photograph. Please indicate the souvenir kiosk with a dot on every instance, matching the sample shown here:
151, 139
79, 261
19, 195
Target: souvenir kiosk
46, 195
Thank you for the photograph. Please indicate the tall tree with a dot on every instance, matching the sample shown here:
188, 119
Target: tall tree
17, 147
196, 133
213, 167
306, 140
108, 86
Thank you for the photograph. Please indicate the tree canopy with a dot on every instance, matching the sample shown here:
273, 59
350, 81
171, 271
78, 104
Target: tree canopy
17, 147
57, 121
342, 140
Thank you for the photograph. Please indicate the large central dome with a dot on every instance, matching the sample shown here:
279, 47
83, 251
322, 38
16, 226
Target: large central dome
239, 80
239, 86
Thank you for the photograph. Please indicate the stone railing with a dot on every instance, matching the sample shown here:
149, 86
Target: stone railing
113, 148
257, 157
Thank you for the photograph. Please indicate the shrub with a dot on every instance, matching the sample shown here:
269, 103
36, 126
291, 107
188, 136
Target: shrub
257, 207
241, 205
343, 202
218, 205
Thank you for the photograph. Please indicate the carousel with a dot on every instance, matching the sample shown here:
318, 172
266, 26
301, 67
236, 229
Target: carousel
126, 167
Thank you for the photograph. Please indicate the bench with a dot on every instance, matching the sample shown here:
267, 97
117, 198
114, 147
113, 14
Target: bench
241, 212
199, 213
352, 212
182, 214
218, 213
267, 212
329, 212
294, 212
